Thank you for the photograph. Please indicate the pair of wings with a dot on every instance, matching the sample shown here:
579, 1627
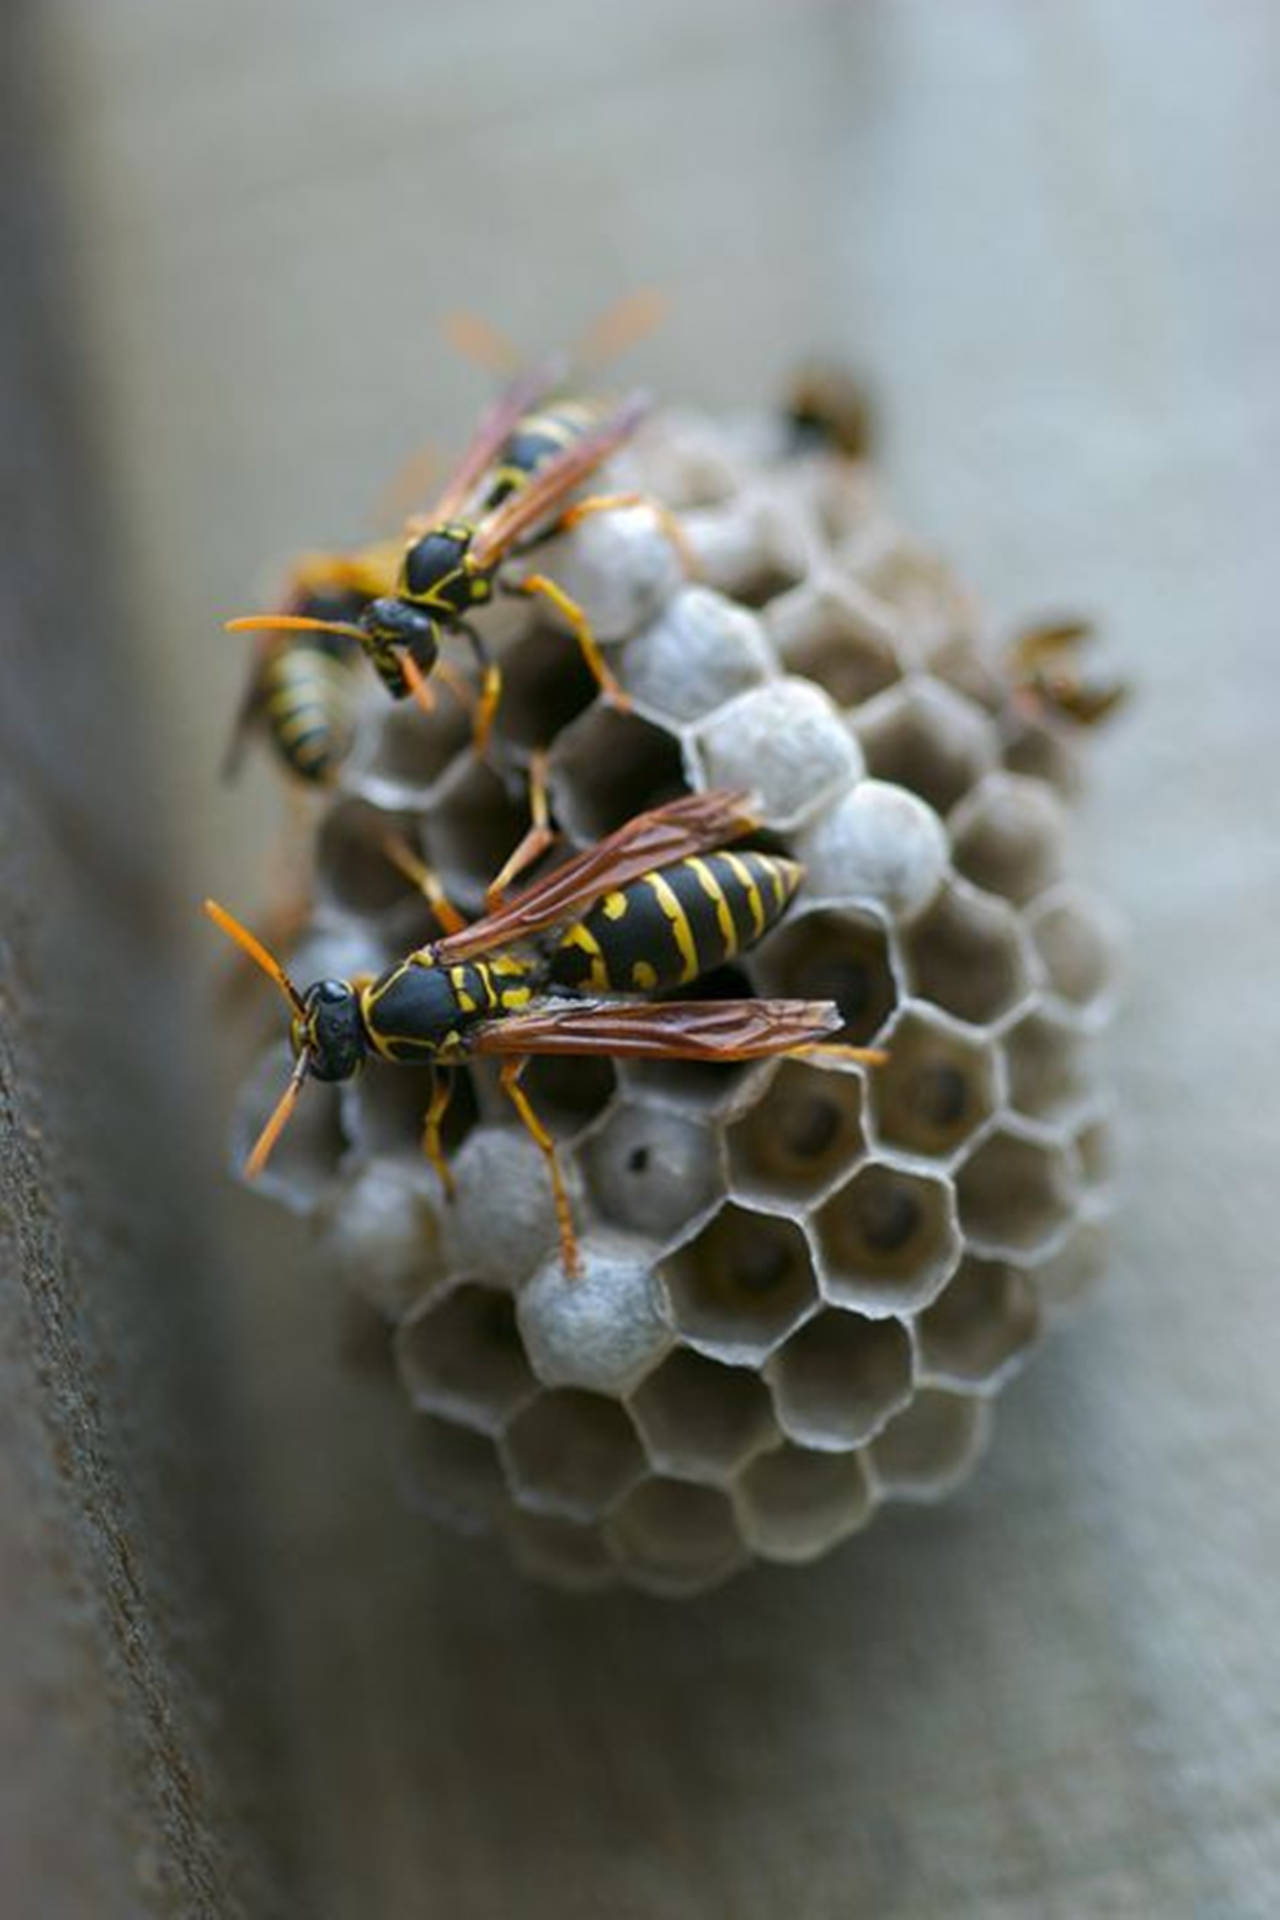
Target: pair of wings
534, 502
660, 1030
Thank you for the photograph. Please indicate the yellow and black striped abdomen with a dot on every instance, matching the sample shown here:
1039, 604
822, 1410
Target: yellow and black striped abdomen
534, 440
306, 695
667, 928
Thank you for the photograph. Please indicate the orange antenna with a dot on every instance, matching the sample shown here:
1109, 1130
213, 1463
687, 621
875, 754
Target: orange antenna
482, 343
278, 1121
416, 681
260, 955
294, 623
620, 326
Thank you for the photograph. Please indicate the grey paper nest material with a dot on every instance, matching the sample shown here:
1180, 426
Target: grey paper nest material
803, 1285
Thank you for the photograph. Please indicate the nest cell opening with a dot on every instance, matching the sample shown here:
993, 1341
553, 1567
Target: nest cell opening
1071, 938
803, 1133
609, 766
1015, 1193
1009, 837
833, 954
352, 868
830, 632
1040, 750
701, 1420
571, 1454
546, 684
793, 1504
385, 1105
1073, 1269
674, 1537
888, 1239
966, 955
838, 1379
451, 1475
1096, 1151
937, 1087
1048, 1065
928, 739
741, 1285
561, 1552
984, 1320
569, 1091
474, 825
927, 1450
650, 1171
461, 1357
412, 749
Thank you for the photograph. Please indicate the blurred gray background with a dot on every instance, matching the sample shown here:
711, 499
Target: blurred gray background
1049, 233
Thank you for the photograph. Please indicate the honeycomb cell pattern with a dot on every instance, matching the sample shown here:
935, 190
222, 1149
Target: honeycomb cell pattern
804, 1282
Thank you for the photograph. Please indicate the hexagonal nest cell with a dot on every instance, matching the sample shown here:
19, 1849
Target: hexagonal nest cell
799, 1282
741, 1285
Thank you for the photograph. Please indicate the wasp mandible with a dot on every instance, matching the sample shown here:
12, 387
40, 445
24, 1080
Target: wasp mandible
653, 906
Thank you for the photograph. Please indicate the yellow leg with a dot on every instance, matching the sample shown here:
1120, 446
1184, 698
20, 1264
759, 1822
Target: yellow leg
406, 861
569, 610
441, 1094
510, 1083
540, 836
614, 502
833, 1050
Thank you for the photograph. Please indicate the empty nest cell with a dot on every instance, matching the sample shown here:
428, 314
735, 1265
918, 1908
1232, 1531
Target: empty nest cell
966, 954
1009, 837
836, 634
929, 1448
607, 767
1048, 1064
838, 1379
803, 1133
562, 1552
926, 737
1073, 937
675, 1538
353, 872
839, 954
701, 1420
571, 1454
475, 823
546, 684
793, 1504
741, 1284
409, 750
980, 1325
451, 1475
461, 1357
888, 1239
937, 1087
1015, 1193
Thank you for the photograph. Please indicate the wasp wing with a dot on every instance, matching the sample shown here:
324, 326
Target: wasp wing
662, 1030
538, 499
514, 401
696, 823
1047, 638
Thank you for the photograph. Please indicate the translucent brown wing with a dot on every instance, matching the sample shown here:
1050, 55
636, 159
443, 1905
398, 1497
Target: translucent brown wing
696, 823
538, 499
662, 1030
1036, 644
515, 400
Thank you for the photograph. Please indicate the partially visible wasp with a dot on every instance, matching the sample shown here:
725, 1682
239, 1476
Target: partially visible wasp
531, 450
827, 407
1054, 691
302, 688
654, 905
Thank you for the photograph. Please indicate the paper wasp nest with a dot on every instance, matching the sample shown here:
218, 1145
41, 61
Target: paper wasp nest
803, 1285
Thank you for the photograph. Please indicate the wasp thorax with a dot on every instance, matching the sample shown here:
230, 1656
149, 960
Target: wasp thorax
332, 1032
432, 559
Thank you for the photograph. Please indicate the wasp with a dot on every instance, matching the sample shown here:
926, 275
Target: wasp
553, 969
827, 407
1051, 690
508, 494
302, 689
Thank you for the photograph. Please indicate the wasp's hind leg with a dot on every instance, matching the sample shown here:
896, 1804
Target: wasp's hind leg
509, 1080
540, 836
425, 879
537, 585
432, 1121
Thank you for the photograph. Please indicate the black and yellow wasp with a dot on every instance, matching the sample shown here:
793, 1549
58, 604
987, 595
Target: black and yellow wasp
1046, 681
302, 688
826, 407
532, 449
653, 906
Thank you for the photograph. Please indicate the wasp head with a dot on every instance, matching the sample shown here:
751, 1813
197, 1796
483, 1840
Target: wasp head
328, 1031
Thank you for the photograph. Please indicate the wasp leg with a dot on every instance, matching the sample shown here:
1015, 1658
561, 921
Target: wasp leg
614, 502
432, 1120
490, 689
509, 1080
402, 857
537, 584
540, 836
834, 1050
